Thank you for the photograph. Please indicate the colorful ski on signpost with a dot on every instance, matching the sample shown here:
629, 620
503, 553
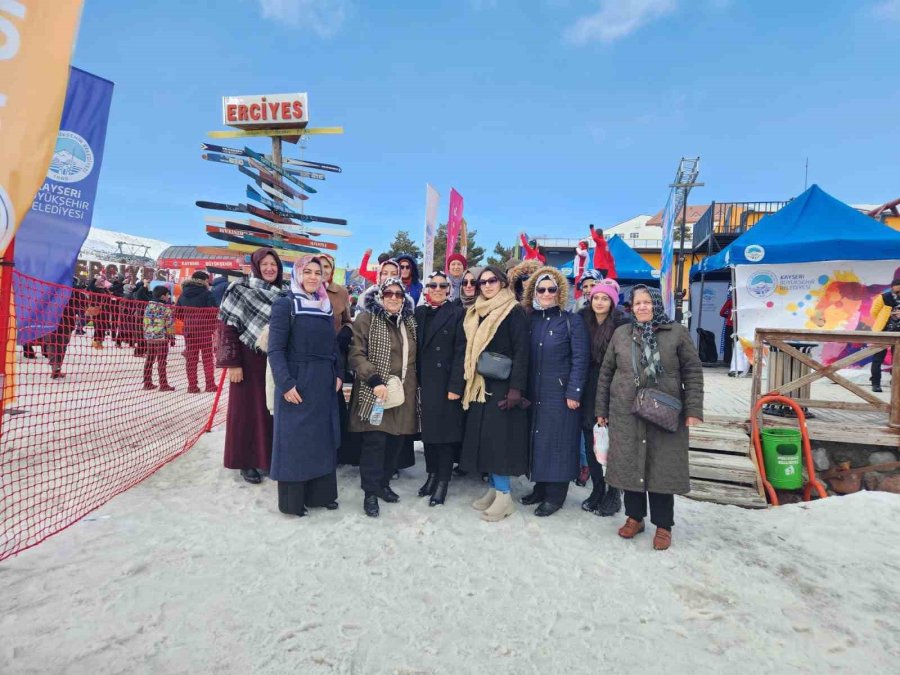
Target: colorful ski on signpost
275, 215
314, 165
277, 169
306, 230
272, 180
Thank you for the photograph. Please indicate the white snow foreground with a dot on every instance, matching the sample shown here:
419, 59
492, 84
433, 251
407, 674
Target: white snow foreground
195, 571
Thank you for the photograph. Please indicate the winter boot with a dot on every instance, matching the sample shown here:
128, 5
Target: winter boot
485, 500
502, 507
430, 484
440, 494
592, 503
611, 502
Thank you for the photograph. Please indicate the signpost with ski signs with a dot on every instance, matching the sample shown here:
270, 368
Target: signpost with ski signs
275, 187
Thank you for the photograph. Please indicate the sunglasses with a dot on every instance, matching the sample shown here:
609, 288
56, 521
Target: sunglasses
441, 285
469, 282
488, 282
405, 267
547, 289
397, 295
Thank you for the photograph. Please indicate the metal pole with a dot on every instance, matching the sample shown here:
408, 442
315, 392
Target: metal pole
7, 345
679, 308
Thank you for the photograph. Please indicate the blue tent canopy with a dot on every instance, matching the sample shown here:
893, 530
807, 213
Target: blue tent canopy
630, 266
815, 226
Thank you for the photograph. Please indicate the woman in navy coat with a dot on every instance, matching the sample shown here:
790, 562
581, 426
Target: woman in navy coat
441, 356
305, 361
559, 364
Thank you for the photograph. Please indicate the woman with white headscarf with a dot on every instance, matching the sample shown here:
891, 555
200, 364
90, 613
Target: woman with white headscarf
306, 366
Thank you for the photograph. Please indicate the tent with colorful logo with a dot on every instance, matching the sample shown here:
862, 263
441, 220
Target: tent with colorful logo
817, 263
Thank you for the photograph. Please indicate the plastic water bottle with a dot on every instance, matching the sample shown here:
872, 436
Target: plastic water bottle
377, 413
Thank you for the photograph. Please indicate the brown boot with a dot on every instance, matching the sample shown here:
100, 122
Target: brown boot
631, 528
663, 539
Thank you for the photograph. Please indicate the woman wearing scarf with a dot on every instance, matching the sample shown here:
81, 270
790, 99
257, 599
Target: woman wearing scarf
496, 436
243, 315
556, 377
382, 337
456, 267
601, 318
645, 460
442, 351
468, 288
307, 368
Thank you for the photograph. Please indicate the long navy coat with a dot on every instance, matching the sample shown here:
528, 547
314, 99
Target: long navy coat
303, 352
441, 358
560, 358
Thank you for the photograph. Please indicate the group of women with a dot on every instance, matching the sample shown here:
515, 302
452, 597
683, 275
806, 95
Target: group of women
494, 372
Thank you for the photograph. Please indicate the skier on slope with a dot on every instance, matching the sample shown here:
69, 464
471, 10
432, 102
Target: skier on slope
603, 260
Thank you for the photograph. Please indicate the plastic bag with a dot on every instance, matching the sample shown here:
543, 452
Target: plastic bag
601, 443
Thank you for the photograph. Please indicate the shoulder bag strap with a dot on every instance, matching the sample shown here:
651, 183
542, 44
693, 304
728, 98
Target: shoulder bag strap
634, 362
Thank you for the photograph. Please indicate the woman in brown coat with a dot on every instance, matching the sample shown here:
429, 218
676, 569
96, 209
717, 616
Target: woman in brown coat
381, 337
645, 460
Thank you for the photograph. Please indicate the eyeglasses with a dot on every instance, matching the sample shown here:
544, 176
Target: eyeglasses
405, 267
397, 295
547, 289
441, 285
488, 282
469, 282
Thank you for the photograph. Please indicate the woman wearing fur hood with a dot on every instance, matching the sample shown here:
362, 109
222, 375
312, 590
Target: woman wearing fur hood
383, 349
559, 358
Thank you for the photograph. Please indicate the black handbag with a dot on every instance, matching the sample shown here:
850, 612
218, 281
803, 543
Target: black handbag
494, 366
652, 405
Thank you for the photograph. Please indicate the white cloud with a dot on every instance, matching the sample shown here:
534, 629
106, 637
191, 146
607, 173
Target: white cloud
616, 19
324, 17
889, 9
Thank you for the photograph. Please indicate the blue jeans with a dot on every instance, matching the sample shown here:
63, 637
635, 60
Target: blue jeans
585, 449
500, 483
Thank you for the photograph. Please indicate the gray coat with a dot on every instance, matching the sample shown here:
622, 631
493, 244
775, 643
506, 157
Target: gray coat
402, 420
643, 457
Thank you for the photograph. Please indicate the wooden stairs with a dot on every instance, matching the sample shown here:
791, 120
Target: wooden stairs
723, 466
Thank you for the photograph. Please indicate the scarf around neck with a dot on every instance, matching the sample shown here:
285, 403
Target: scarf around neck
481, 322
246, 307
651, 363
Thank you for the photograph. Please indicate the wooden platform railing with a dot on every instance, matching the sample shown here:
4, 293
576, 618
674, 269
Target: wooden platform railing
875, 342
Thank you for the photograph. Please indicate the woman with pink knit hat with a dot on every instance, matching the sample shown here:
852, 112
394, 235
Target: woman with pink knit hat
601, 317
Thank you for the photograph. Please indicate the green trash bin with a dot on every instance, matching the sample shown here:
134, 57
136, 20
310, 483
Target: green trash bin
783, 458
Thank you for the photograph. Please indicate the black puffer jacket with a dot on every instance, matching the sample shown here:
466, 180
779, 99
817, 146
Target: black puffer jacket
192, 308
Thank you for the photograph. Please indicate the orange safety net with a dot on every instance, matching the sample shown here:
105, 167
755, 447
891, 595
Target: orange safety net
106, 391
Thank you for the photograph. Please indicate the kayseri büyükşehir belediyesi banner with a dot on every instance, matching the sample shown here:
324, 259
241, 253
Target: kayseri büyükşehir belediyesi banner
54, 229
35, 45
828, 295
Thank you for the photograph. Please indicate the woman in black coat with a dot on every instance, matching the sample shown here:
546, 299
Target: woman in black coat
496, 437
442, 351
601, 317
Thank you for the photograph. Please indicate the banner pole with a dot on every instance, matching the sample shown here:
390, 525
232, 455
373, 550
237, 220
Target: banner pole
7, 345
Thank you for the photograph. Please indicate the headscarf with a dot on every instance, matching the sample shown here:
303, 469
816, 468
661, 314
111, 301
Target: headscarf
317, 302
465, 300
382, 287
651, 364
331, 260
428, 279
389, 261
534, 300
248, 303
590, 274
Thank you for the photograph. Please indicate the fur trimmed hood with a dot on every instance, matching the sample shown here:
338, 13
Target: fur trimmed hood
520, 273
562, 298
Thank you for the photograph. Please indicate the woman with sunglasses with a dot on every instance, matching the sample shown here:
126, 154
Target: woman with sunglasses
559, 366
442, 350
307, 368
383, 348
496, 436
468, 288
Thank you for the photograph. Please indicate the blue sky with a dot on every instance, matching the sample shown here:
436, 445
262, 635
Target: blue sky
545, 114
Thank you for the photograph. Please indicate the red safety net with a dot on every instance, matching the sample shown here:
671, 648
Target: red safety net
79, 424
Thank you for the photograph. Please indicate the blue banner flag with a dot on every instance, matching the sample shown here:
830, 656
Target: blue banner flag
54, 229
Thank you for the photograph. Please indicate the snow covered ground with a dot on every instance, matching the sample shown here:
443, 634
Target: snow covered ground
195, 571
106, 241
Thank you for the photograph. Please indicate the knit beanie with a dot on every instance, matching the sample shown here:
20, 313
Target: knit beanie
608, 289
459, 257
